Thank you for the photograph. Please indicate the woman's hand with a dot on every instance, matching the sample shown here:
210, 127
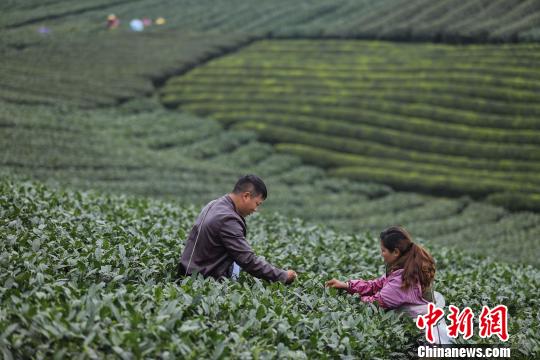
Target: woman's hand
335, 283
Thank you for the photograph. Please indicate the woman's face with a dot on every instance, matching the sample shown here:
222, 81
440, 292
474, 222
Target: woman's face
389, 256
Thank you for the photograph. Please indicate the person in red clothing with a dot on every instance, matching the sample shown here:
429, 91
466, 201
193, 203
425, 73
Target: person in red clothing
112, 22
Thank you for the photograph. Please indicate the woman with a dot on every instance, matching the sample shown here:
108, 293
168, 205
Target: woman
407, 284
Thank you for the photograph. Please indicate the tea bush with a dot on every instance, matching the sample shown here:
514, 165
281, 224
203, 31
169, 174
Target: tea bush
88, 275
180, 157
361, 108
448, 20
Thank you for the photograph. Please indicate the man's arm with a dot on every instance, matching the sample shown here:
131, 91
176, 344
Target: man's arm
234, 241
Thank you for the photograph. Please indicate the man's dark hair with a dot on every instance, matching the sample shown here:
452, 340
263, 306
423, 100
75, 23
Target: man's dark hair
251, 183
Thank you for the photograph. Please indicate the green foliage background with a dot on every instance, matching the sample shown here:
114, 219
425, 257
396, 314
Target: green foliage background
90, 275
142, 149
476, 133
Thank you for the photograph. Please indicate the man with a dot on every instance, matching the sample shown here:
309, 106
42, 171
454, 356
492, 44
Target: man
217, 241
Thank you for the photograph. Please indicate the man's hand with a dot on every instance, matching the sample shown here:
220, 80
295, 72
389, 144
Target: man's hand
291, 276
335, 283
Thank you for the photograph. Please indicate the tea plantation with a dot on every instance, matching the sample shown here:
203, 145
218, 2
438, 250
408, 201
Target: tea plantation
429, 118
106, 69
141, 149
88, 275
417, 20
111, 140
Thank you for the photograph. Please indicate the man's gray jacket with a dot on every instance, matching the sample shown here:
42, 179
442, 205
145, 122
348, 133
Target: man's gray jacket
222, 241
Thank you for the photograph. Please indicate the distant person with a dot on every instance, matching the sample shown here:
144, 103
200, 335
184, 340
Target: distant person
112, 22
146, 21
136, 25
408, 282
43, 30
217, 246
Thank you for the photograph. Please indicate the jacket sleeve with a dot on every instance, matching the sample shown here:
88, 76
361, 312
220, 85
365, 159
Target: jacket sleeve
365, 287
391, 296
232, 235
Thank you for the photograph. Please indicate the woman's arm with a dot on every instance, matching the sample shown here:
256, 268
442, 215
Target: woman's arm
365, 287
390, 296
362, 287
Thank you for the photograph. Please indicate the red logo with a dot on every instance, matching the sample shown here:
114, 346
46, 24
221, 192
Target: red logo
460, 323
494, 322
429, 320
491, 322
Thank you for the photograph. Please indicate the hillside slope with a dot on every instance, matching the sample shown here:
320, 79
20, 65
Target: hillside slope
417, 20
142, 149
437, 119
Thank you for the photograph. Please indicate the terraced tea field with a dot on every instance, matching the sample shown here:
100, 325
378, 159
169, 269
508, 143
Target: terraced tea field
417, 20
85, 274
450, 120
99, 70
265, 86
158, 153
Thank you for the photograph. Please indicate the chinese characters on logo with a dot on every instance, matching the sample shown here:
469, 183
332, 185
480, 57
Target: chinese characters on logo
460, 323
494, 322
491, 322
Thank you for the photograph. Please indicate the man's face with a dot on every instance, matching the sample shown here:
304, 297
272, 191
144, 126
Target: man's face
250, 204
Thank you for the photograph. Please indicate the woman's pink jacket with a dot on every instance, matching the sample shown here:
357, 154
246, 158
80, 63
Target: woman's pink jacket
387, 291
